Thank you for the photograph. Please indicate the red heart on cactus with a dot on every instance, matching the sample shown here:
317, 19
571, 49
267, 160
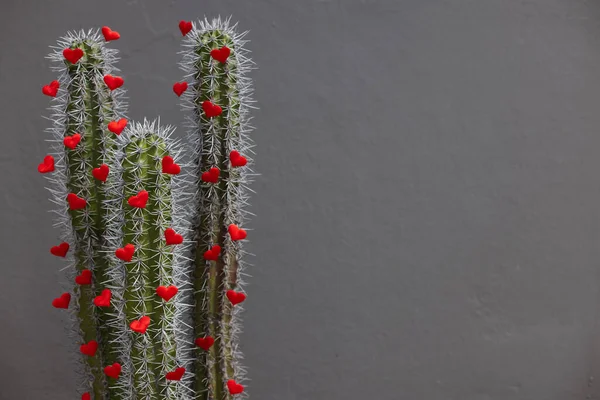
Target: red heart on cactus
205, 342
220, 54
175, 375
236, 233
213, 253
169, 166
51, 89
211, 175
234, 387
125, 253
72, 141
85, 278
185, 27
62, 301
109, 34
236, 159
47, 165
171, 237
139, 200
180, 87
235, 297
104, 299
117, 127
210, 109
60, 250
101, 173
89, 349
86, 396
75, 202
113, 82
113, 371
166, 293
72, 55
140, 325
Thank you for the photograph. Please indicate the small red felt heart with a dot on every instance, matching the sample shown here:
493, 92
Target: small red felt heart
171, 237
125, 253
234, 387
62, 301
72, 55
89, 349
113, 82
175, 375
185, 27
117, 127
140, 325
51, 89
72, 141
211, 109
85, 278
180, 87
213, 253
169, 166
60, 250
139, 200
47, 165
235, 297
211, 176
75, 202
86, 396
113, 371
205, 342
236, 233
101, 173
236, 159
104, 299
221, 54
166, 293
109, 34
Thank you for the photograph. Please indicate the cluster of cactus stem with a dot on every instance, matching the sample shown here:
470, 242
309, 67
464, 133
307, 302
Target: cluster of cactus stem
152, 225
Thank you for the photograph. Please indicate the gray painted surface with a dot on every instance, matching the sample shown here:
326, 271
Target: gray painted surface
428, 211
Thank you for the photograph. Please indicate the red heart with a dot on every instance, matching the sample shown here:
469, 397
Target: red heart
72, 55
51, 89
234, 387
101, 173
85, 278
86, 396
180, 87
89, 349
236, 159
210, 109
141, 325
75, 202
172, 238
235, 297
104, 299
62, 301
47, 165
175, 375
139, 200
205, 342
213, 253
125, 253
236, 233
113, 82
109, 34
185, 27
166, 293
169, 166
220, 54
211, 175
72, 141
113, 371
117, 127
60, 250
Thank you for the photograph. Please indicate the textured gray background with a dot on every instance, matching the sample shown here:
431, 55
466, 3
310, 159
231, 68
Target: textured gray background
428, 212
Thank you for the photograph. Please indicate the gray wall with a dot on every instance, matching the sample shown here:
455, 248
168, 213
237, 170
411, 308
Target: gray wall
429, 206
